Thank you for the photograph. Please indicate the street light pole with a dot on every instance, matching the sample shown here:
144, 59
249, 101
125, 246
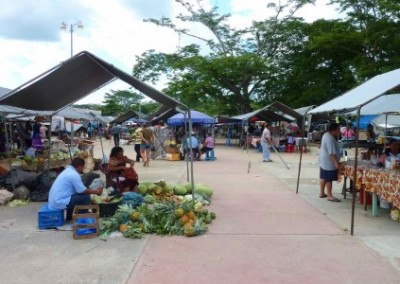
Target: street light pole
78, 25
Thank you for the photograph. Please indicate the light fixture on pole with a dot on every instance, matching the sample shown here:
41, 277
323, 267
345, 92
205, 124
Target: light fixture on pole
72, 27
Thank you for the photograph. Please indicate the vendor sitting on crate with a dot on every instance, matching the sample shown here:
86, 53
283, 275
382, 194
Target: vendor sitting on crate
68, 189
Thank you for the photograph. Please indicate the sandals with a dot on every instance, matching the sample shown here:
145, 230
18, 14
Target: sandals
323, 196
334, 200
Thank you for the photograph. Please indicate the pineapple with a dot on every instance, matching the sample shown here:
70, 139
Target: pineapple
179, 212
189, 231
135, 216
123, 228
191, 215
184, 219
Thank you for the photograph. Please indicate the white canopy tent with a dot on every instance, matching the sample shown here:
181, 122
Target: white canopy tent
356, 100
387, 121
361, 95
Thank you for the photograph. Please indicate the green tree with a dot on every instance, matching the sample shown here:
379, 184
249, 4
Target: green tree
119, 102
236, 69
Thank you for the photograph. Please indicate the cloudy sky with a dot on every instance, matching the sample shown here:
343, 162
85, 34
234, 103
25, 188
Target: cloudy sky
32, 42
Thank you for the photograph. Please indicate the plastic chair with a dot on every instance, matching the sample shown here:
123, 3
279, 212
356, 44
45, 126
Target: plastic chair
112, 179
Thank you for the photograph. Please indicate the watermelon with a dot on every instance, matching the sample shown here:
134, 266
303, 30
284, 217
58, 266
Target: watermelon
188, 187
203, 189
180, 189
142, 189
149, 199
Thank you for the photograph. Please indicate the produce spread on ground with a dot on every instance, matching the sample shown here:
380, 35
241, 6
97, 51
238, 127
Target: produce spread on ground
161, 209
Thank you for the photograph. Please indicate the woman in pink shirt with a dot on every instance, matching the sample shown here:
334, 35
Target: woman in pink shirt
208, 144
348, 133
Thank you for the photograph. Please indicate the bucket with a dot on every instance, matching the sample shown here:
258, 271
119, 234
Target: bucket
384, 204
108, 209
289, 148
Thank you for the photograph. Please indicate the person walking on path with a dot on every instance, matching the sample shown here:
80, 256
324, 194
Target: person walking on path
147, 136
329, 161
137, 139
266, 143
116, 132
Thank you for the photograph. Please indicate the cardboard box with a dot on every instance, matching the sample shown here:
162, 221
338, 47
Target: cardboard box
173, 157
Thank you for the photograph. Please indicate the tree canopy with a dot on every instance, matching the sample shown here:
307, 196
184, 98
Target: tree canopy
281, 58
122, 101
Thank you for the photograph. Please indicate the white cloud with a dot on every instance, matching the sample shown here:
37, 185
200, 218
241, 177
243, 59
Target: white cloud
113, 30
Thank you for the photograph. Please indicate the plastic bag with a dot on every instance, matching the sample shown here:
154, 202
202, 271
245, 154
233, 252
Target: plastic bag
96, 184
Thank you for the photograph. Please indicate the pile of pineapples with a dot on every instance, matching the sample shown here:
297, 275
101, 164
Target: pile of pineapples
163, 217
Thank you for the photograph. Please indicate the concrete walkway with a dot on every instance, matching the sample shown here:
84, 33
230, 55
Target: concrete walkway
264, 233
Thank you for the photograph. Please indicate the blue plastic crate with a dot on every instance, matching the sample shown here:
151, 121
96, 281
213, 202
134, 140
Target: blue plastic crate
49, 218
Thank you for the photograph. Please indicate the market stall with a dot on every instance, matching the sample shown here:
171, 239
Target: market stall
277, 113
75, 78
354, 101
181, 119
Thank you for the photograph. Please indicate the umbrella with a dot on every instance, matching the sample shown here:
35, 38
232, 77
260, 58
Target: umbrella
197, 117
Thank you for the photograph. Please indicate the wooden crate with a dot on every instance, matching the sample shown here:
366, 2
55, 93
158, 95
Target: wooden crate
86, 225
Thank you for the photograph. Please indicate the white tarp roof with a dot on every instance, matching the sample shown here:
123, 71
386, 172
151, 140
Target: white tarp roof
304, 110
362, 94
390, 120
383, 104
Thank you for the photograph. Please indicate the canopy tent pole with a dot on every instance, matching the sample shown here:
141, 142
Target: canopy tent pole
186, 139
353, 204
191, 154
301, 150
101, 142
72, 135
48, 162
8, 151
69, 146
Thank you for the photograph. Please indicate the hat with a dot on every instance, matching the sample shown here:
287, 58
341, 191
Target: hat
192, 133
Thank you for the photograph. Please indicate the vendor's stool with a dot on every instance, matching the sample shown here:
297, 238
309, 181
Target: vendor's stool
210, 155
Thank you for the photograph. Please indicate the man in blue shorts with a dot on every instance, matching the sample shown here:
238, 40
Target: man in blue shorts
329, 161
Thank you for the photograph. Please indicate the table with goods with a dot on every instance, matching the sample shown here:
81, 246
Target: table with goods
382, 182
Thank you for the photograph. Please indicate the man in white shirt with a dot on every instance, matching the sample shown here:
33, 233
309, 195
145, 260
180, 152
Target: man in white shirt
266, 143
329, 157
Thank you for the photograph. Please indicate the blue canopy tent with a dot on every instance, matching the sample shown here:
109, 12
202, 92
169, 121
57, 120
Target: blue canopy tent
197, 117
365, 120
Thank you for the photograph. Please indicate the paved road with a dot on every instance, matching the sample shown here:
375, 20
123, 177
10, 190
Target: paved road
264, 233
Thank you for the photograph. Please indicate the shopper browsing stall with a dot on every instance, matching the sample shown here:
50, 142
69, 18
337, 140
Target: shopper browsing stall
329, 161
147, 137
